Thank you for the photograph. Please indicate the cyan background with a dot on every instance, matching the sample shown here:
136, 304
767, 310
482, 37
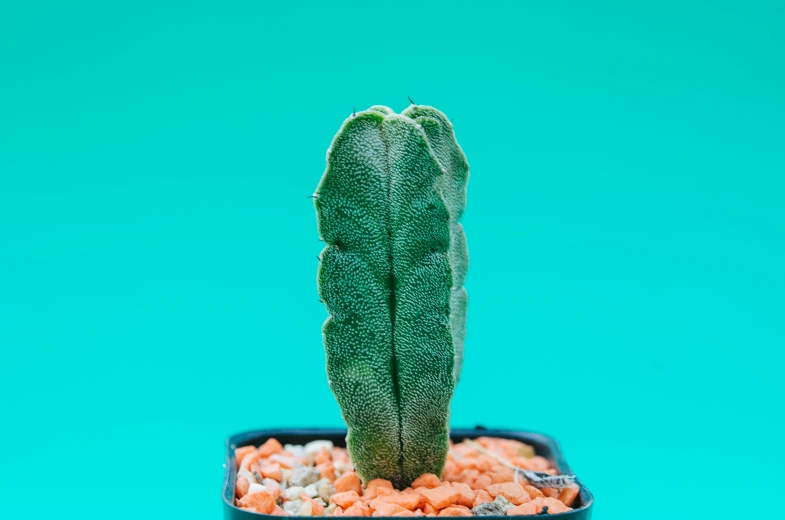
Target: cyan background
625, 222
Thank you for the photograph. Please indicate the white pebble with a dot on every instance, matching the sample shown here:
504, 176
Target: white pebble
311, 490
325, 489
292, 506
293, 493
253, 488
305, 510
297, 451
314, 447
242, 472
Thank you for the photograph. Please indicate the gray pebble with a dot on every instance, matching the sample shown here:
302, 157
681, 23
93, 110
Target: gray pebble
498, 507
303, 476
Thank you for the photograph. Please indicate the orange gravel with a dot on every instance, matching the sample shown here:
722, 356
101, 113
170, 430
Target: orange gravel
472, 476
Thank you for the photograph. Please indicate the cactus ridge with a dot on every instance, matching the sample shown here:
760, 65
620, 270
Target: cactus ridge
452, 160
391, 278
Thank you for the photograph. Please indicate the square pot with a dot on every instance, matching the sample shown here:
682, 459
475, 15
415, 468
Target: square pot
544, 446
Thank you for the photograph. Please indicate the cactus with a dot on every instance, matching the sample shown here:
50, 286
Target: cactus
391, 277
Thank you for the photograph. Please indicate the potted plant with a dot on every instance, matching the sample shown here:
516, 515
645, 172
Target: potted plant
391, 276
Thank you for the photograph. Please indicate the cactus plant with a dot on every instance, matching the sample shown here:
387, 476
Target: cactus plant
391, 277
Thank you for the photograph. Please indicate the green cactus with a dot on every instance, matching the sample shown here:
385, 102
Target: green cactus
391, 277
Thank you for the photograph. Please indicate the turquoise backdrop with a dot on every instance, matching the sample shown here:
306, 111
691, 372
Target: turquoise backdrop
157, 251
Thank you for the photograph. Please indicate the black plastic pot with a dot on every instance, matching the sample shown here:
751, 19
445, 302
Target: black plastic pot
543, 445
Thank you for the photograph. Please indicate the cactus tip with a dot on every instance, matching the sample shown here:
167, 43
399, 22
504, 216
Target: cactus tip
410, 100
354, 112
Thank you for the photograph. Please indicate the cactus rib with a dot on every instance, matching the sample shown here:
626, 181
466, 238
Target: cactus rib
452, 160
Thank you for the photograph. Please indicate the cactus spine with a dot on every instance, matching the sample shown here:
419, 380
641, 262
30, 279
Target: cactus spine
391, 277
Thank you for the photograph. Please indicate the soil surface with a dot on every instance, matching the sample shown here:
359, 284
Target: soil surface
484, 477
